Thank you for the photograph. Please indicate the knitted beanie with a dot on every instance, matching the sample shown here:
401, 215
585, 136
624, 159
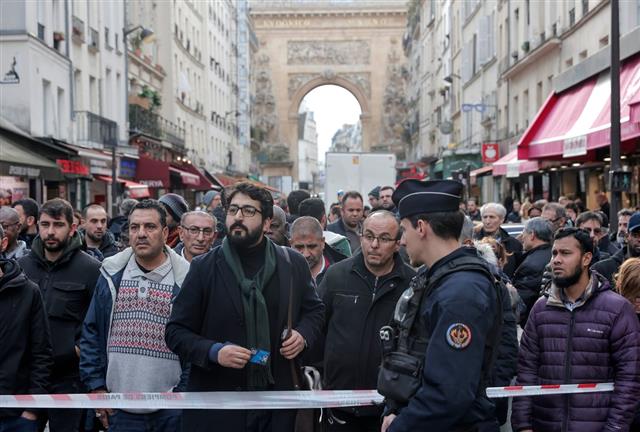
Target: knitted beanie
175, 205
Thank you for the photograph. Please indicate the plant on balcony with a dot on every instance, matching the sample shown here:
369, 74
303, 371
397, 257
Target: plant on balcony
152, 96
525, 46
58, 36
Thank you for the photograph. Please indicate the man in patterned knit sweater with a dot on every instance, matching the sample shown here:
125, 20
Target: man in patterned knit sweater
122, 345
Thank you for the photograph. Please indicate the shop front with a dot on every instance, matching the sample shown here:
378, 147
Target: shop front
155, 174
573, 129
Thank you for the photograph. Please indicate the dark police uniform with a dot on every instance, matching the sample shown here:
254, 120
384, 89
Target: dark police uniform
449, 320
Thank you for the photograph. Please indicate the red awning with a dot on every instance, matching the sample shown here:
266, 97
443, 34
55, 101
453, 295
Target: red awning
578, 120
510, 166
153, 173
485, 170
225, 180
136, 190
192, 178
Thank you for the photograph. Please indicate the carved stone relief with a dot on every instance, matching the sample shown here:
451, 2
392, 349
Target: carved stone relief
360, 79
394, 106
328, 52
264, 115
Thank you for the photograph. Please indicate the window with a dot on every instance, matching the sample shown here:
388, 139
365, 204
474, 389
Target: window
525, 107
585, 7
47, 108
572, 17
539, 95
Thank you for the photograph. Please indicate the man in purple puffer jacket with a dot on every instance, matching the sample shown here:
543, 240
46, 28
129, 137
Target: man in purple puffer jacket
582, 333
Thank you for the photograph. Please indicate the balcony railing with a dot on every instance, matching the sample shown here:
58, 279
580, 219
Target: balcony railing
142, 120
96, 131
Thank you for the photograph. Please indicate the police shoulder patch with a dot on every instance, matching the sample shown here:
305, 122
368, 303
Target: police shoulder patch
459, 335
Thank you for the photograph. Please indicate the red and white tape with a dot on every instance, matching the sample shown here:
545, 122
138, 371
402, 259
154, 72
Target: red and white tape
200, 400
258, 400
547, 389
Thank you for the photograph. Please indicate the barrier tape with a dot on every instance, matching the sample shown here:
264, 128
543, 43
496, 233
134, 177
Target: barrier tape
548, 389
199, 400
258, 400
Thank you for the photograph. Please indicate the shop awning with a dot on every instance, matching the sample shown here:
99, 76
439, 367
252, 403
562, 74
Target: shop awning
136, 190
225, 180
153, 173
511, 166
485, 170
203, 181
17, 161
571, 123
189, 180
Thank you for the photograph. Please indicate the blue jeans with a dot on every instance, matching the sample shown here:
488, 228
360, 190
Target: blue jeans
159, 421
18, 424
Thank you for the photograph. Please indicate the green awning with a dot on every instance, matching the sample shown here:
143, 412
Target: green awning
16, 160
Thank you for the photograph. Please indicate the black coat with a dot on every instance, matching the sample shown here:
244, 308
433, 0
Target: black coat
511, 244
25, 350
209, 310
67, 287
609, 267
357, 305
527, 278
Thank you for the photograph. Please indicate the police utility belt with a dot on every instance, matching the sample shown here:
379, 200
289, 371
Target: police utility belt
404, 344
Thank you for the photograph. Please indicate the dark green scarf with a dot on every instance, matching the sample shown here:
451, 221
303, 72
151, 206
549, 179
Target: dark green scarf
256, 314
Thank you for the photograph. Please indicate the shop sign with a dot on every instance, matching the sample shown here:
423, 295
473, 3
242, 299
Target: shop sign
576, 146
99, 167
152, 183
21, 171
490, 152
513, 169
72, 167
128, 168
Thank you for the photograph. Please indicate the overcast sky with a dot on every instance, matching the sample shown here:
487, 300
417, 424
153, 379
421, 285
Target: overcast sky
332, 106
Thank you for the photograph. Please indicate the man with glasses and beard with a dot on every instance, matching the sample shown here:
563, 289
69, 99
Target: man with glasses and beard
67, 277
583, 332
246, 312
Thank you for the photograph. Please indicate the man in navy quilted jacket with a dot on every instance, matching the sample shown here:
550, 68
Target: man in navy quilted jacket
583, 332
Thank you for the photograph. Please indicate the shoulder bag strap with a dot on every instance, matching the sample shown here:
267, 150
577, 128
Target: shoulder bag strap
292, 362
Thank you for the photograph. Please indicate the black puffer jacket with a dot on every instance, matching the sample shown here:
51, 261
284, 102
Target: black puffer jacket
527, 278
25, 351
67, 287
357, 305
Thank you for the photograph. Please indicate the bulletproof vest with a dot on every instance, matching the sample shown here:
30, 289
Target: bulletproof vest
412, 336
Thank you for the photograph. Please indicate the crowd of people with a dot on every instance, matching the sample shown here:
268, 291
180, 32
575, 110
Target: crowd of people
423, 297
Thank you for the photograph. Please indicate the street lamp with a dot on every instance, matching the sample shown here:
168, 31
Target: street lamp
146, 36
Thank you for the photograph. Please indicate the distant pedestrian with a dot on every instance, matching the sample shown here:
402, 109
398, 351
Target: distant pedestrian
493, 215
278, 230
609, 267
197, 234
10, 222
28, 210
350, 222
386, 202
118, 224
175, 206
95, 232
472, 210
315, 208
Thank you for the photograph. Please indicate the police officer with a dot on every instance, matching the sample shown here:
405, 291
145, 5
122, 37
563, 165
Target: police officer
439, 351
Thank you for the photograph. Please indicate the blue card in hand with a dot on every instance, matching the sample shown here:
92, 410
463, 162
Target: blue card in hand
260, 357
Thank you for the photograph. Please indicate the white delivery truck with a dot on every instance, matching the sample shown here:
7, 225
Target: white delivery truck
357, 171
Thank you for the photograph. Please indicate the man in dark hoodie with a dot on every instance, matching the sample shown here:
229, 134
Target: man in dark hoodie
95, 232
28, 210
67, 277
25, 351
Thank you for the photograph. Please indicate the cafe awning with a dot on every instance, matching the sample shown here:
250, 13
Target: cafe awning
153, 173
136, 190
510, 166
578, 120
203, 182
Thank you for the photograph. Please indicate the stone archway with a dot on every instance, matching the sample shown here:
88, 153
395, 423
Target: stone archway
302, 48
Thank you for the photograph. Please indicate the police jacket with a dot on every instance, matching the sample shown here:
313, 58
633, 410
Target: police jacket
357, 305
456, 318
67, 286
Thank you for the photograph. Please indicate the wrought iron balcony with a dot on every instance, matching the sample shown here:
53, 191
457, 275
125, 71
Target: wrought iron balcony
96, 131
142, 120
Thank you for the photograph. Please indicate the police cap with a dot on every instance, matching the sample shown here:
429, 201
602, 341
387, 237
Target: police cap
414, 197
